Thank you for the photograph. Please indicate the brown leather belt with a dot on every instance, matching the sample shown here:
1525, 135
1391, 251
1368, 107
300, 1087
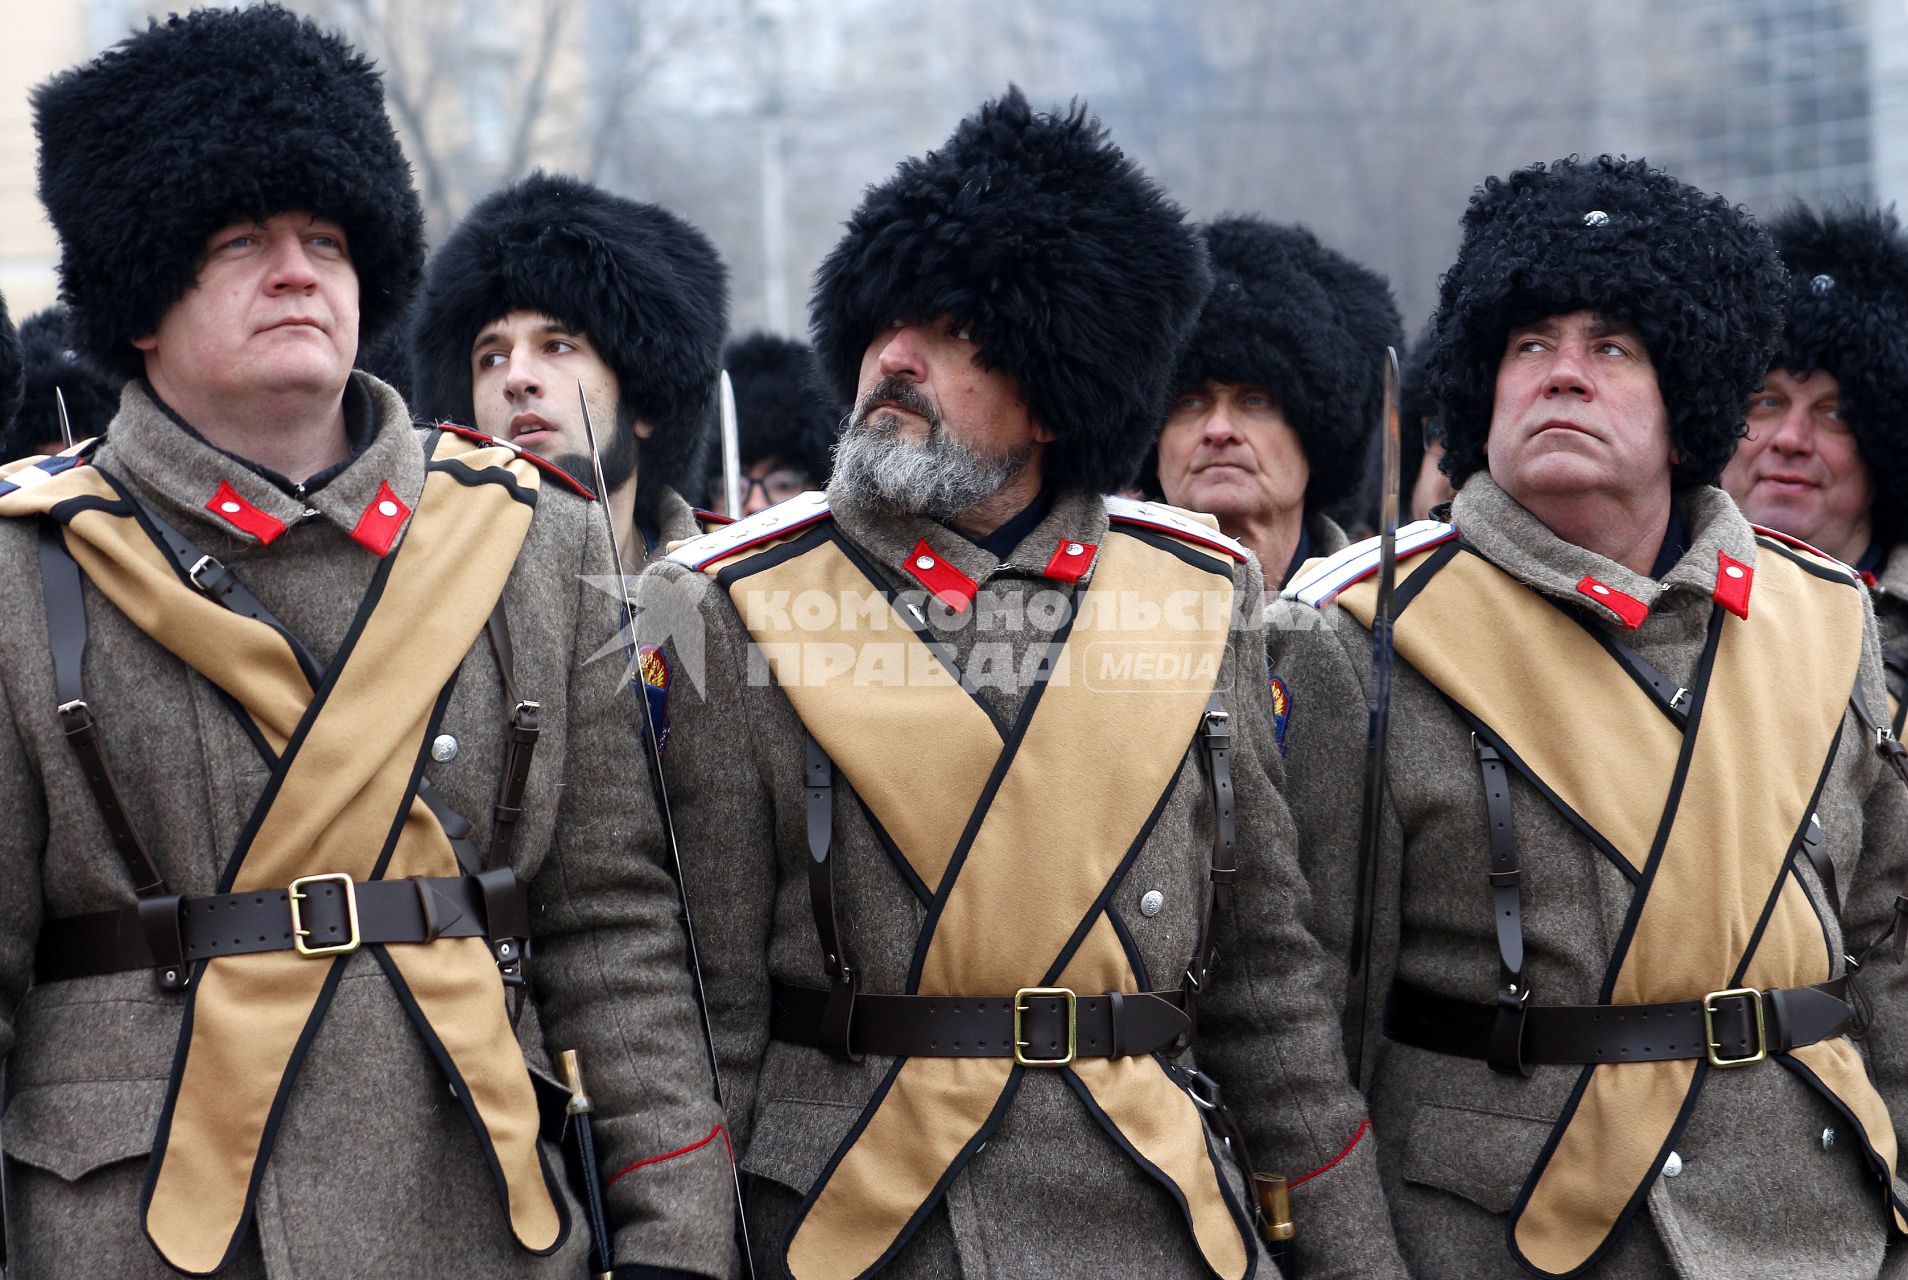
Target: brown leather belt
331, 915
1729, 1028
1037, 1026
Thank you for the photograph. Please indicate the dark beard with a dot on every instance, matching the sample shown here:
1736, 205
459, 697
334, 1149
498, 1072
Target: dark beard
619, 461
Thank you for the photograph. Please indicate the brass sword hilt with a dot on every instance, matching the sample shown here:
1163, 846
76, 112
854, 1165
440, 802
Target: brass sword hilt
572, 1069
1275, 1207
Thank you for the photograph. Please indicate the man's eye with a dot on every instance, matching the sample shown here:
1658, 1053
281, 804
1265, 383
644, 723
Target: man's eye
1611, 349
490, 360
559, 347
1187, 401
1529, 346
1766, 403
962, 333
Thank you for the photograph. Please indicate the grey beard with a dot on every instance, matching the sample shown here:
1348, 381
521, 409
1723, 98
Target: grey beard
939, 478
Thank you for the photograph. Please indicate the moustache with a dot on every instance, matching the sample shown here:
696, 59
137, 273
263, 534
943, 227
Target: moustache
897, 391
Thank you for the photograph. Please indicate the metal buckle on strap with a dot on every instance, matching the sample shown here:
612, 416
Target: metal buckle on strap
1754, 997
200, 567
1073, 1025
300, 932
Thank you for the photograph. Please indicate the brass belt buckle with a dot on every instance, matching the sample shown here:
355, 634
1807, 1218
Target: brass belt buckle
1754, 997
1073, 1025
300, 932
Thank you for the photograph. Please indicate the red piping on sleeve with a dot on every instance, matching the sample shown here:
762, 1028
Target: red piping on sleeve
697, 1146
1356, 1137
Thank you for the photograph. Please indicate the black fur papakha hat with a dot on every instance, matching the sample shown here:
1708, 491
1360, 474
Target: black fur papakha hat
645, 287
53, 362
1696, 276
779, 408
202, 120
1311, 327
1848, 316
1076, 275
12, 380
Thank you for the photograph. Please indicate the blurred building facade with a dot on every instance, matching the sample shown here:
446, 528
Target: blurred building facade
1369, 120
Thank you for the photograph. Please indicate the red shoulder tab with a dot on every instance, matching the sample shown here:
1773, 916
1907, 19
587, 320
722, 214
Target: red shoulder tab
544, 465
705, 516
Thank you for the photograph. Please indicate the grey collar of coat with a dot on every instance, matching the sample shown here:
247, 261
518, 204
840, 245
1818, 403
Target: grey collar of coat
179, 474
890, 537
1516, 541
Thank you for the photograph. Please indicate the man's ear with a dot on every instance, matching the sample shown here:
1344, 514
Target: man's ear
148, 343
643, 428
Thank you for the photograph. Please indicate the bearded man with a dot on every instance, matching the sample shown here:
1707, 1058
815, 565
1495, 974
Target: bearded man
553, 294
974, 783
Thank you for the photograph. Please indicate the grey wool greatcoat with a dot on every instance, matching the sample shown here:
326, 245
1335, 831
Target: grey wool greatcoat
375, 1171
1050, 1195
1760, 1186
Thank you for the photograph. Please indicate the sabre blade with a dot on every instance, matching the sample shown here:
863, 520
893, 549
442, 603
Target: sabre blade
1377, 738
652, 751
66, 423
731, 446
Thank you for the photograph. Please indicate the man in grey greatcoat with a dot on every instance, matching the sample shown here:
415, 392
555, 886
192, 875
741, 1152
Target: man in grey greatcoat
275, 662
551, 283
1278, 392
947, 742
1826, 454
1635, 814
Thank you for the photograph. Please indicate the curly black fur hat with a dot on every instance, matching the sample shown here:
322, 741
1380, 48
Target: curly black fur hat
197, 121
1697, 276
1311, 327
645, 287
12, 382
1076, 273
1848, 316
52, 362
779, 407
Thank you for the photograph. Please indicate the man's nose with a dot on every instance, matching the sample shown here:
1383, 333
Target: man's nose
1568, 375
1220, 426
291, 269
1795, 434
903, 355
522, 379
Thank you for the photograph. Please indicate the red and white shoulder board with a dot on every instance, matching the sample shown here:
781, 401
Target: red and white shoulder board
1319, 583
712, 519
1161, 518
1799, 545
544, 465
778, 521
27, 472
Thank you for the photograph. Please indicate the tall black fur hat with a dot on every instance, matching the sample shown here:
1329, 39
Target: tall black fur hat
53, 362
198, 121
12, 380
645, 287
779, 408
1311, 327
1078, 277
1696, 276
1848, 316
